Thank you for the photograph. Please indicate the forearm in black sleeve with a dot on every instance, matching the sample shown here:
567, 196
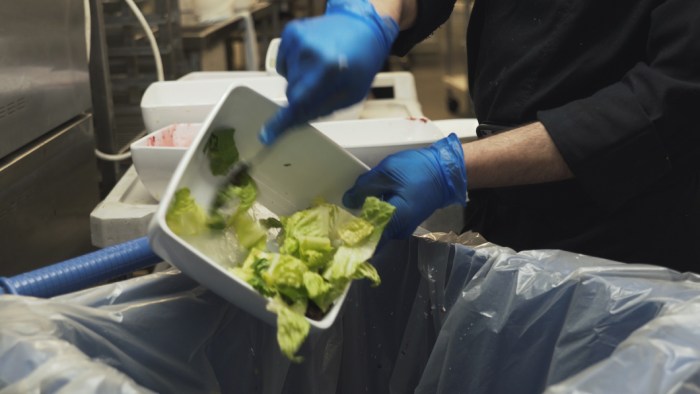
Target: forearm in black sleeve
431, 14
627, 136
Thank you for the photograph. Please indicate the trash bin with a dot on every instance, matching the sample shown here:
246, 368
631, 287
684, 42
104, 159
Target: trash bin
447, 318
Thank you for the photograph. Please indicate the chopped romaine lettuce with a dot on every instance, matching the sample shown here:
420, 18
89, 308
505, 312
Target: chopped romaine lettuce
320, 291
348, 259
221, 151
286, 275
292, 328
251, 271
230, 210
250, 233
185, 216
355, 231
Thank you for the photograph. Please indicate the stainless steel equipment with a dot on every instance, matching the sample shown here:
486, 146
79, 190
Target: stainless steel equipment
44, 79
48, 172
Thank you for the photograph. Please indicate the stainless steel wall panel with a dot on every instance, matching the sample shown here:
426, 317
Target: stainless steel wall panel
44, 80
47, 191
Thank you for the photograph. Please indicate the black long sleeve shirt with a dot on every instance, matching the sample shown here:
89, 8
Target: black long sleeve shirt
617, 86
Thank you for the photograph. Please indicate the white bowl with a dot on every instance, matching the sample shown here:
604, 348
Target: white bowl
157, 155
303, 166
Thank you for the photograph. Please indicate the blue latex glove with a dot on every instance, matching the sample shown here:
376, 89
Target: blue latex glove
330, 62
417, 182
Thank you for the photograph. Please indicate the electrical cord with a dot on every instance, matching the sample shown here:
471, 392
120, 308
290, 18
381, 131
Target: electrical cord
159, 72
112, 157
151, 38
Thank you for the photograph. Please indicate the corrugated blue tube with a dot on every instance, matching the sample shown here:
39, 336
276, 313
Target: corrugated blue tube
83, 271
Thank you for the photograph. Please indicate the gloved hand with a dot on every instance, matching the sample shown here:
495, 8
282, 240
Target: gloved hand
417, 182
330, 61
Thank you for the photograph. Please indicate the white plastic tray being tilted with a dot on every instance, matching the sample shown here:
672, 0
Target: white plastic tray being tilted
302, 166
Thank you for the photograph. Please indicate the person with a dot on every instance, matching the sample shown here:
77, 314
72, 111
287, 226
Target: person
602, 150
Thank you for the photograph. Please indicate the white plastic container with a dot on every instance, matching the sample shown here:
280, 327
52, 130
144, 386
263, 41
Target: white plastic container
288, 179
157, 155
190, 101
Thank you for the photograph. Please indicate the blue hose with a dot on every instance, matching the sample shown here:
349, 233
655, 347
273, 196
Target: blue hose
83, 271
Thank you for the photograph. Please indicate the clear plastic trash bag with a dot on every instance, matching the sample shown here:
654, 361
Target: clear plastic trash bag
448, 318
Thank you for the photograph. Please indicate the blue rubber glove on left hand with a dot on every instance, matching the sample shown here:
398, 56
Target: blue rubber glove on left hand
417, 182
330, 62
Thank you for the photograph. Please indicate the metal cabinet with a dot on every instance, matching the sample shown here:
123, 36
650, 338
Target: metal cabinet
48, 171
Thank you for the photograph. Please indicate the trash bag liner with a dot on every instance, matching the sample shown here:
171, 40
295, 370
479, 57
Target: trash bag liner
447, 318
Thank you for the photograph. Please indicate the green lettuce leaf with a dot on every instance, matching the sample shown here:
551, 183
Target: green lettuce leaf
221, 151
320, 291
306, 236
292, 328
286, 275
251, 271
231, 210
348, 261
185, 216
354, 231
249, 232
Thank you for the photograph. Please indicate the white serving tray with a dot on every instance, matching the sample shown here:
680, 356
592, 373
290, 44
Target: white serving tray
302, 166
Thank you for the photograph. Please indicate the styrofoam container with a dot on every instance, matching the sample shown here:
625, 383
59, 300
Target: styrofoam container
304, 165
371, 140
157, 155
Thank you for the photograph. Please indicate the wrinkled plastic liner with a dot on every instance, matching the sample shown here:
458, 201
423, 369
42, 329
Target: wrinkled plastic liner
447, 318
